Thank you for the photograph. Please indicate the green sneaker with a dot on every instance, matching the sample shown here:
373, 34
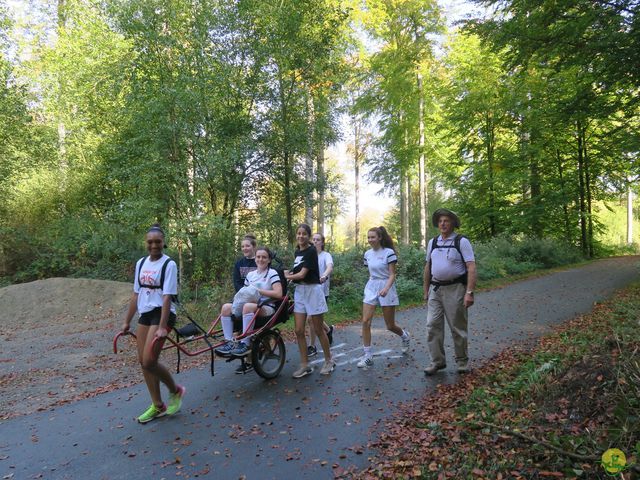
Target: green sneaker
152, 412
175, 400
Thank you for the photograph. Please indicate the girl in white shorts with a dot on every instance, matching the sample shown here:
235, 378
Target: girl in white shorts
325, 267
308, 301
381, 259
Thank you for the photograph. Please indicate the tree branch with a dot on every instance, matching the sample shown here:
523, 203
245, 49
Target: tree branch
577, 456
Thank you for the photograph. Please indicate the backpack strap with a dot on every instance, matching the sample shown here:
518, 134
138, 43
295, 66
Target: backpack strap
434, 242
139, 269
456, 244
162, 274
164, 269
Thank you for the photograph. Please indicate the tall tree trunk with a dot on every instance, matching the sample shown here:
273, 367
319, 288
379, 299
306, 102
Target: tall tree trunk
236, 225
356, 169
629, 213
404, 195
287, 198
404, 204
308, 171
587, 180
536, 193
287, 163
529, 138
407, 181
62, 131
321, 187
181, 265
582, 192
421, 166
537, 226
491, 167
565, 205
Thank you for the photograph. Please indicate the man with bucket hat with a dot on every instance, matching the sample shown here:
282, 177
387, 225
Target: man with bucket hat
449, 280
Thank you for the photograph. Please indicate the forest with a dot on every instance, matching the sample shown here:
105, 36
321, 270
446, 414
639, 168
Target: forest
214, 118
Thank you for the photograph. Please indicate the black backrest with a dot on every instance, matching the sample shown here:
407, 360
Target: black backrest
277, 265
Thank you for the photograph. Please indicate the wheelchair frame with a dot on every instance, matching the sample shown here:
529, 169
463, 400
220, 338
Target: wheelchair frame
268, 352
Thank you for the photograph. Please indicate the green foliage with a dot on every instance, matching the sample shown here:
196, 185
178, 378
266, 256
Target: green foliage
506, 256
212, 119
213, 254
347, 284
79, 247
500, 258
571, 109
405, 30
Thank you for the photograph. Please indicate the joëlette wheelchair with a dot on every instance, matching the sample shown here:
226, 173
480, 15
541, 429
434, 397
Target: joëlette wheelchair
268, 352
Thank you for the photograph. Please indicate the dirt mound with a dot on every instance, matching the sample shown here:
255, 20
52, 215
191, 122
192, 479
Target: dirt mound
64, 302
56, 342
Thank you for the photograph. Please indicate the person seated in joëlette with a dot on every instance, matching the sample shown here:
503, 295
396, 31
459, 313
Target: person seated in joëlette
266, 282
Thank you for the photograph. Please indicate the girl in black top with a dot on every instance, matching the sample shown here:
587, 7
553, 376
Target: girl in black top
245, 264
308, 301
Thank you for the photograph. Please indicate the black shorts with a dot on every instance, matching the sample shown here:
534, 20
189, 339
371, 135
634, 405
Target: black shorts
153, 318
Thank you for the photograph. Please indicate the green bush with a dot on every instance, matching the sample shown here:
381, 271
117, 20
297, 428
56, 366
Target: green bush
79, 247
499, 258
82, 246
505, 256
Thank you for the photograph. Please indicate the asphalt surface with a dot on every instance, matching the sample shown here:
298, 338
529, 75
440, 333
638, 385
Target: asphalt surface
241, 426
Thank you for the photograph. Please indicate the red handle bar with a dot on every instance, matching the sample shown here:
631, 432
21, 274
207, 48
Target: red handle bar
118, 335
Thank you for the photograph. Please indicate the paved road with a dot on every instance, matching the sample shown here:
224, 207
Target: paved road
234, 426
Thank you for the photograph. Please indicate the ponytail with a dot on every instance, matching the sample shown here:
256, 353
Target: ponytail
385, 239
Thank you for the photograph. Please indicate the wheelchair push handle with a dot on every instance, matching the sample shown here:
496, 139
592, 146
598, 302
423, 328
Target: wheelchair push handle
117, 337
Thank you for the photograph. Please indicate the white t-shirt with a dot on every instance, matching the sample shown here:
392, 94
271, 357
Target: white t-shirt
324, 260
378, 262
263, 281
446, 263
150, 298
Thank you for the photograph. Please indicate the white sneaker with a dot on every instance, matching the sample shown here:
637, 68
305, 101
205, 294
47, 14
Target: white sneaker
328, 367
406, 342
365, 362
303, 371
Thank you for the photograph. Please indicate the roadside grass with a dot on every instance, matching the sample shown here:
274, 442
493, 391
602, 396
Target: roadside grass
543, 411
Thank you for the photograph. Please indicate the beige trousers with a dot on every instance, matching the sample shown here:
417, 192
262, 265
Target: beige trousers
447, 302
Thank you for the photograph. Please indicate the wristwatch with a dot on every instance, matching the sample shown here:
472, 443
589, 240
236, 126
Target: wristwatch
469, 292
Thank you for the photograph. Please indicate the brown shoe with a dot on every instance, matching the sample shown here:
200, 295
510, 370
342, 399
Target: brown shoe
463, 368
433, 368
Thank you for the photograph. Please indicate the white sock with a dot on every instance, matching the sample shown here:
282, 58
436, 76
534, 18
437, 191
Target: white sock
227, 327
246, 321
405, 334
367, 351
